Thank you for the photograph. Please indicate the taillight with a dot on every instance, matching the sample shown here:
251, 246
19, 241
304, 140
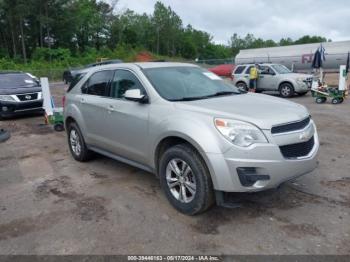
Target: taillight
63, 101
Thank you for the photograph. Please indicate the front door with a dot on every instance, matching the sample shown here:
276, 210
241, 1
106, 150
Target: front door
127, 121
267, 79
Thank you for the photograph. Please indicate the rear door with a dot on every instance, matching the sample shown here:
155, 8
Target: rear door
239, 74
127, 121
93, 105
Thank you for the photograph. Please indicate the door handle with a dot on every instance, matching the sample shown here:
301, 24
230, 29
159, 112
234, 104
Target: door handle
111, 109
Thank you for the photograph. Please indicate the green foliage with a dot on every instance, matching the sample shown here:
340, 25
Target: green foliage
56, 34
48, 54
310, 39
249, 41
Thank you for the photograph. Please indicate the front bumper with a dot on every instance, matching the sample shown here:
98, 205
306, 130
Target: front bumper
15, 108
302, 86
266, 159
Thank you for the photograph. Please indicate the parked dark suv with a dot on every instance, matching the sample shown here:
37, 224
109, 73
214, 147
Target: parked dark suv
19, 93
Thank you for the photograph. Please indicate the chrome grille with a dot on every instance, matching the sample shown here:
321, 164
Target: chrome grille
291, 126
28, 97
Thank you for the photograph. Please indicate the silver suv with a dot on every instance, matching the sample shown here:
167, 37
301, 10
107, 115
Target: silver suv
200, 135
273, 77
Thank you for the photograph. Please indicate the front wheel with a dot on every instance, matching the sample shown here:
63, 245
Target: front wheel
286, 90
185, 180
242, 86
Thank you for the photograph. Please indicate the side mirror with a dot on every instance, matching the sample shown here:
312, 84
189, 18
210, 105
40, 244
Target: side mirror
135, 95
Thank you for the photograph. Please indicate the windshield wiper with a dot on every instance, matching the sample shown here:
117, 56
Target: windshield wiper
191, 98
224, 93
221, 93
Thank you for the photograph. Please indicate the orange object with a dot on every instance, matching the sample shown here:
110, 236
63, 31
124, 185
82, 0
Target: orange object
219, 122
144, 57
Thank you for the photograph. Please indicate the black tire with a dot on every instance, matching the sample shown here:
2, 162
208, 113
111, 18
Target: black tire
58, 127
203, 198
302, 93
242, 86
320, 100
286, 90
4, 135
84, 154
336, 101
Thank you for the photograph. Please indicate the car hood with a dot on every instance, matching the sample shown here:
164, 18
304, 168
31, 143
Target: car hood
262, 110
19, 90
297, 75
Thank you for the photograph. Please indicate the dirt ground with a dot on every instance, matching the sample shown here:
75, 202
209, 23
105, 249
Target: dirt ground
51, 204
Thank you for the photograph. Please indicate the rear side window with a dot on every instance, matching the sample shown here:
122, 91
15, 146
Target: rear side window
239, 69
124, 80
98, 84
75, 81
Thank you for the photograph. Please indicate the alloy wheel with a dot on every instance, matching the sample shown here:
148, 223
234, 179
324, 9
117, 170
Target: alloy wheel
285, 91
75, 142
181, 180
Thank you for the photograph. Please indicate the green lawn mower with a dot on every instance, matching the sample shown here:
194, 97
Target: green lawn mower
337, 96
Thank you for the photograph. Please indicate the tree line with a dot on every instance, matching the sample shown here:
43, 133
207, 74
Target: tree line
56, 29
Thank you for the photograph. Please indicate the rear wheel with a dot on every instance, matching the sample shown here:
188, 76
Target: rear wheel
185, 180
286, 90
336, 101
76, 143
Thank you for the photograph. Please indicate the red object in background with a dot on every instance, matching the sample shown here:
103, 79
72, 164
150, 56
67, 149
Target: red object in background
223, 70
144, 57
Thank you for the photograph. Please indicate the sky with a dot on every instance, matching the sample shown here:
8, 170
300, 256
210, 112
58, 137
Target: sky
268, 19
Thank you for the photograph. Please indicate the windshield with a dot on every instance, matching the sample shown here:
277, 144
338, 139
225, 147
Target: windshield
17, 80
281, 69
188, 83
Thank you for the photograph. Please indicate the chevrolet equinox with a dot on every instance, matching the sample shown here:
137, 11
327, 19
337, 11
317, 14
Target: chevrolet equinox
199, 134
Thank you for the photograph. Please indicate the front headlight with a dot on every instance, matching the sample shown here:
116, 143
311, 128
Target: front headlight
239, 133
7, 98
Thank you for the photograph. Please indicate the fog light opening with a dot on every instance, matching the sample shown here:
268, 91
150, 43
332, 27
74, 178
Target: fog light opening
248, 176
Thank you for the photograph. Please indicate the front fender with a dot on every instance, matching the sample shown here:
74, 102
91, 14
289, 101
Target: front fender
201, 134
288, 80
